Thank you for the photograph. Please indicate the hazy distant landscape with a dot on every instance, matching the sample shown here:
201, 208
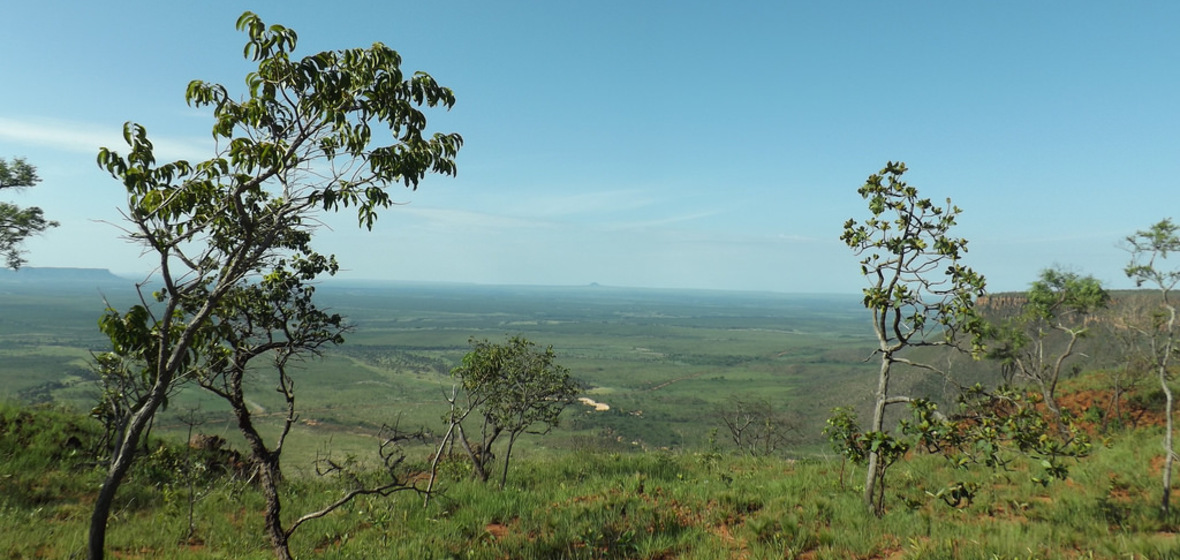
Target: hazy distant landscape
663, 360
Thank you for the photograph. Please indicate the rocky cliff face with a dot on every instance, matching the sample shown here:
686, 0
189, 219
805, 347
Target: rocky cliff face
1002, 304
1126, 308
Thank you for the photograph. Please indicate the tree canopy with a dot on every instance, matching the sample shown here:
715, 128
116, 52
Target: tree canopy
18, 224
330, 130
919, 294
514, 386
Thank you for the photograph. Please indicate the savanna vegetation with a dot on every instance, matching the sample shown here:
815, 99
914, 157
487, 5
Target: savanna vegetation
233, 406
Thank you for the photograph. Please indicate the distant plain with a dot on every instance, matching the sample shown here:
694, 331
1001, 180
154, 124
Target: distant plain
665, 361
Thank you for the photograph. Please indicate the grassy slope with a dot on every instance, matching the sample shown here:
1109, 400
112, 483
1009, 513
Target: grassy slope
593, 505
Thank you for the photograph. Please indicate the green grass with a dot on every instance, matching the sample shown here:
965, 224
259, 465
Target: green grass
585, 504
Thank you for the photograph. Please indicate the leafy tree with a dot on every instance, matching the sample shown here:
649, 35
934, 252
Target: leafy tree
277, 319
307, 137
919, 293
1043, 337
844, 435
513, 386
1148, 249
16, 223
991, 428
994, 428
274, 318
1132, 355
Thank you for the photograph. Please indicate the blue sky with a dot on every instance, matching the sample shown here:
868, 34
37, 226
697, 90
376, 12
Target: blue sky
669, 144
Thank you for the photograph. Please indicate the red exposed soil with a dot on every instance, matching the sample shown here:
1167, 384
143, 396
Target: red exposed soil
1079, 402
1156, 466
496, 530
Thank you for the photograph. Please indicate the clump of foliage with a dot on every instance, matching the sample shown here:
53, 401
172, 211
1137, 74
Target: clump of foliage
514, 387
49, 456
1035, 345
18, 224
990, 428
994, 428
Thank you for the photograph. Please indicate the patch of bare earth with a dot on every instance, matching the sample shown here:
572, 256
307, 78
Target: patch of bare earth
1078, 402
496, 530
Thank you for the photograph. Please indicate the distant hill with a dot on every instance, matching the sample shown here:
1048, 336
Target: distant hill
51, 275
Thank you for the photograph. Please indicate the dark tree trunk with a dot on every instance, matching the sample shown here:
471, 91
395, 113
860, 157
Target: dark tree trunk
123, 455
477, 465
874, 471
269, 477
507, 455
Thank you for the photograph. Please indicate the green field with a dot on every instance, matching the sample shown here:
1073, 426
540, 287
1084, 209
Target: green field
589, 505
664, 361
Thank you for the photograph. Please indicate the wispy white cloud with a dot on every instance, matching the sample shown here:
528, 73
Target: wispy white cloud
466, 220
796, 238
1089, 236
657, 222
592, 210
584, 203
84, 137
